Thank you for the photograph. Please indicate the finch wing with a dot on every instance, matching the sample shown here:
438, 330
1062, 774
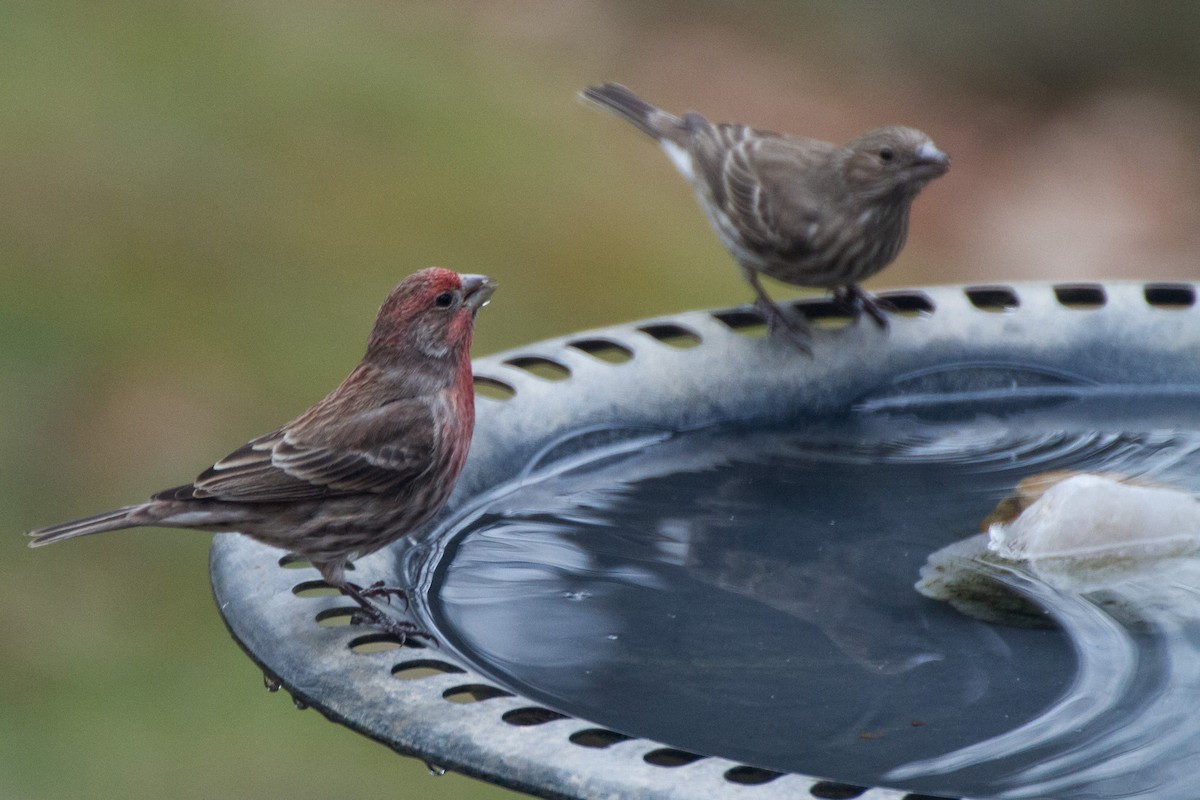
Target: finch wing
371, 452
769, 188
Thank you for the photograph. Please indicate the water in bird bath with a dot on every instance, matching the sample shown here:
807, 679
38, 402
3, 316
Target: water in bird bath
748, 593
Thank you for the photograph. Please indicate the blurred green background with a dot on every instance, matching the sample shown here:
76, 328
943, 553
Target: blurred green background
202, 204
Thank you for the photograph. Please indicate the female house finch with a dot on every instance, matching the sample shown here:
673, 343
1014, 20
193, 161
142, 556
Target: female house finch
361, 468
802, 211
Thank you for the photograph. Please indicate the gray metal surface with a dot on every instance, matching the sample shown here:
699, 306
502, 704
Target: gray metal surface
566, 400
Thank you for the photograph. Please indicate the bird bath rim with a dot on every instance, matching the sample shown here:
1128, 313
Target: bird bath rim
695, 369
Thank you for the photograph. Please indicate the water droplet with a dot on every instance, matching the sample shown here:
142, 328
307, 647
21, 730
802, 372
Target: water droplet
271, 683
299, 704
576, 596
435, 770
612, 637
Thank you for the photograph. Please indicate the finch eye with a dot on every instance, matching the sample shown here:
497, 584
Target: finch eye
444, 300
886, 154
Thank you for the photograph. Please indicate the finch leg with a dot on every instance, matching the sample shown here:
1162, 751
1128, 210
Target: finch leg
778, 320
401, 629
857, 301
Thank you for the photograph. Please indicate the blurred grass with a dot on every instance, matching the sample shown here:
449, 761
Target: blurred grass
203, 203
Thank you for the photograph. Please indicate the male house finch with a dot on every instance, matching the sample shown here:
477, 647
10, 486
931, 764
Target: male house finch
802, 211
360, 469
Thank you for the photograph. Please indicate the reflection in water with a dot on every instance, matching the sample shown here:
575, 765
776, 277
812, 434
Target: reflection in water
749, 594
1115, 563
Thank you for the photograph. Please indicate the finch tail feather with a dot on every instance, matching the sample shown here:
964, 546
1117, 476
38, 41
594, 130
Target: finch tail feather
97, 523
647, 118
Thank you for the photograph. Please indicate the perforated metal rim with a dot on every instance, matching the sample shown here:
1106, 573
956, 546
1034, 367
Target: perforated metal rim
688, 370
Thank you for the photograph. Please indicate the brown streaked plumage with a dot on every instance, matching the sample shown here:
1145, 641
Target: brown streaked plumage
799, 210
363, 467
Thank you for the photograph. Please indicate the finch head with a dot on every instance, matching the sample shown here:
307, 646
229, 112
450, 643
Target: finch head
892, 163
431, 312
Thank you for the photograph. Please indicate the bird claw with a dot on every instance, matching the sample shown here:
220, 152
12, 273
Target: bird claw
856, 301
381, 589
789, 326
401, 630
370, 614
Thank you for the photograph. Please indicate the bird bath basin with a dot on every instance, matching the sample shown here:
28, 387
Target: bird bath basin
680, 562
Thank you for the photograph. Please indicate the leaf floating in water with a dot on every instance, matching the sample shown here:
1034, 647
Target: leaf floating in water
1087, 534
1113, 561
1093, 531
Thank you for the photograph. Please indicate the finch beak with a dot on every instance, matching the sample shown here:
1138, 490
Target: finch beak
934, 161
477, 290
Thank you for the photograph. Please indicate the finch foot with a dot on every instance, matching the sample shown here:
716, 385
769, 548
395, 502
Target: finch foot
380, 589
856, 301
781, 323
372, 614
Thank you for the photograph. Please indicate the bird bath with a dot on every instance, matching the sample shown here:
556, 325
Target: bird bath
680, 562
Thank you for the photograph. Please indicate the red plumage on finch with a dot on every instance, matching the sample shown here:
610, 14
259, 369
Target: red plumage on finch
362, 468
